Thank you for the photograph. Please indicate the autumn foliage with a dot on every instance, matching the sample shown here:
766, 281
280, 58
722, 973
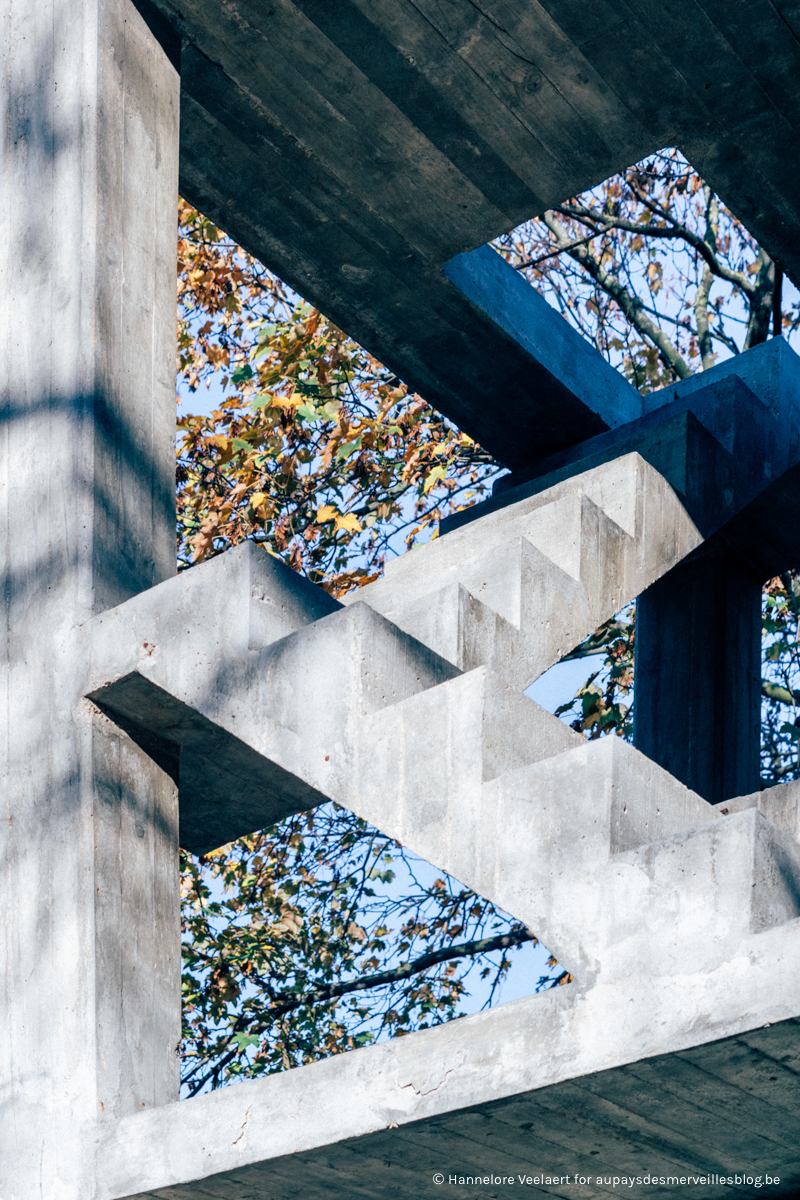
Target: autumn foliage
314, 448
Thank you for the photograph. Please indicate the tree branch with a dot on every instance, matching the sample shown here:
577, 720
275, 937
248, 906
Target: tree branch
704, 288
333, 991
629, 304
761, 300
673, 231
597, 642
774, 691
288, 1003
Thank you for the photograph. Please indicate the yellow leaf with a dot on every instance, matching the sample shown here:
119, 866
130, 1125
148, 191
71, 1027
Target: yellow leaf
433, 478
326, 513
350, 523
257, 499
293, 401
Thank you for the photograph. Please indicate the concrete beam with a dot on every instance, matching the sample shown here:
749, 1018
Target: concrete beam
359, 149
698, 674
726, 1108
728, 441
566, 367
687, 967
253, 686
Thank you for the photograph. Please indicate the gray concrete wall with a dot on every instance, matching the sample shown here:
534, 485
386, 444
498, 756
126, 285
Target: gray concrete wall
88, 1029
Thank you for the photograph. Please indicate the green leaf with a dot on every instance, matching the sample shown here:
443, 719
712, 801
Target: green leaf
245, 1039
348, 448
242, 374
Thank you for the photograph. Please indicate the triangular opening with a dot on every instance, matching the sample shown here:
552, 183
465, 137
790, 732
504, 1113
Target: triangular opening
321, 935
591, 689
654, 270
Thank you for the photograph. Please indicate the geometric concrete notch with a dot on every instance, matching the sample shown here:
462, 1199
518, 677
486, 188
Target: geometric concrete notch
256, 690
593, 845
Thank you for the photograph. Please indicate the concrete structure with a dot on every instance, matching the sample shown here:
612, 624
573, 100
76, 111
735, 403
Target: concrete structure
367, 151
89, 829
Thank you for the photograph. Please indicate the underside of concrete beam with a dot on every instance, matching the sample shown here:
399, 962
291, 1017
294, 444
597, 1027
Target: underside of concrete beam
357, 149
392, 1120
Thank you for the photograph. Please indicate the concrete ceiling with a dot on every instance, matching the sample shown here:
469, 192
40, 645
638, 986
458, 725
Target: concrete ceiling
357, 147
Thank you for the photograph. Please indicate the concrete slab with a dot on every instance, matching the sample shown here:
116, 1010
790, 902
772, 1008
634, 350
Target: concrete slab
359, 149
628, 1065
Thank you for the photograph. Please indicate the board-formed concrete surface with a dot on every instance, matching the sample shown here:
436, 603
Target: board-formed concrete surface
287, 713
359, 147
678, 920
724, 1110
88, 833
368, 150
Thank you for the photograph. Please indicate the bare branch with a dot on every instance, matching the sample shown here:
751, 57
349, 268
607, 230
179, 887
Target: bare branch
597, 641
289, 1002
629, 304
533, 262
333, 991
673, 231
704, 288
761, 301
777, 297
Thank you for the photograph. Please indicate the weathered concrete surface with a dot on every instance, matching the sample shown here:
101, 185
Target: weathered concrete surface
727, 1107
260, 735
568, 367
728, 441
89, 1017
524, 585
698, 674
358, 148
679, 922
240, 684
695, 939
779, 804
749, 407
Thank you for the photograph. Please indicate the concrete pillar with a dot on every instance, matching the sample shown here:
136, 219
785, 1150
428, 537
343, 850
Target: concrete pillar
698, 674
89, 934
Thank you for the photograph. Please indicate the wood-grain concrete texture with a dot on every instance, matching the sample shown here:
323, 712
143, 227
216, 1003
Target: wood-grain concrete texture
728, 1108
679, 921
88, 835
367, 152
357, 148
265, 714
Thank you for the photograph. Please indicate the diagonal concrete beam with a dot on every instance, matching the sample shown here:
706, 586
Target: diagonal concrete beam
279, 667
686, 967
359, 149
728, 440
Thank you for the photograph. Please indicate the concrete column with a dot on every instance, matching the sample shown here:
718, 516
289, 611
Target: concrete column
698, 675
89, 934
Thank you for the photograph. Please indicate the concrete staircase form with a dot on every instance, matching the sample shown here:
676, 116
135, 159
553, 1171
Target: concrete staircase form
264, 696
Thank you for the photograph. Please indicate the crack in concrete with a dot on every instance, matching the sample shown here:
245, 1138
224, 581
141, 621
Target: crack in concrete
241, 1140
430, 1091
